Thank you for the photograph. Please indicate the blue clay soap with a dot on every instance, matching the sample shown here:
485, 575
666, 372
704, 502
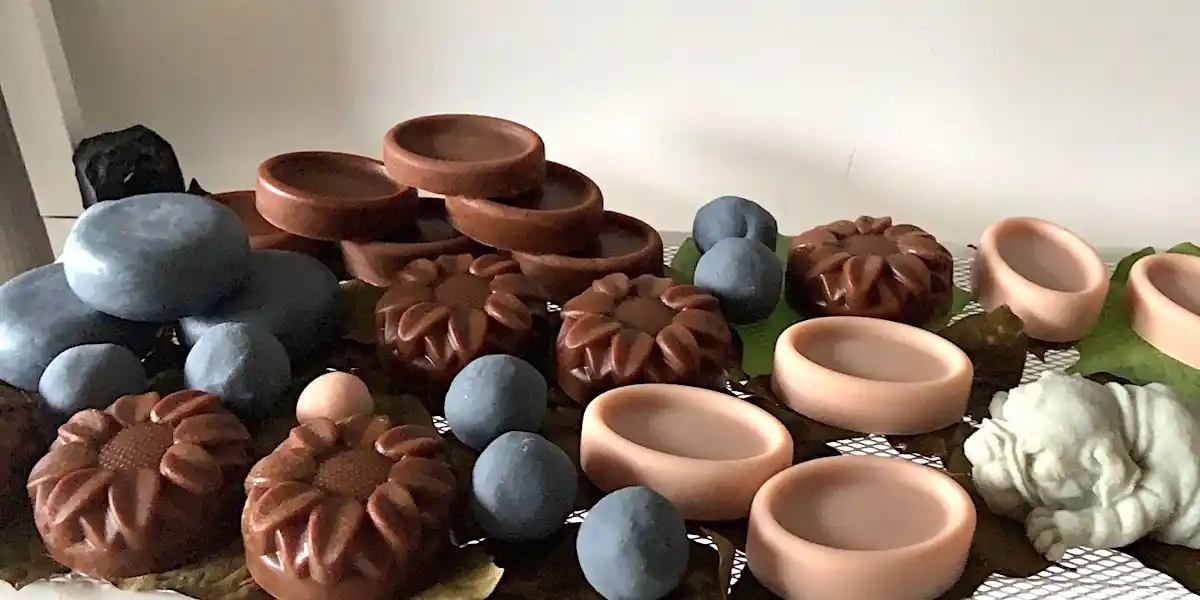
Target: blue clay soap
494, 395
744, 275
243, 364
156, 257
523, 487
40, 317
291, 295
733, 217
633, 545
91, 376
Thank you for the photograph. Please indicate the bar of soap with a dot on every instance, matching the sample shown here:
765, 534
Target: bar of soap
156, 257
243, 364
289, 294
40, 317
128, 162
90, 376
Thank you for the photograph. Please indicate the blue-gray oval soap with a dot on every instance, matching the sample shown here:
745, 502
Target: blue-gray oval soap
90, 376
40, 317
633, 545
243, 364
523, 487
733, 216
744, 276
291, 295
494, 395
156, 257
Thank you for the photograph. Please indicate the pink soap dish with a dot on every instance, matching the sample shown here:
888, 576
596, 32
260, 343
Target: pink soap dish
1163, 296
860, 528
1049, 277
706, 452
871, 375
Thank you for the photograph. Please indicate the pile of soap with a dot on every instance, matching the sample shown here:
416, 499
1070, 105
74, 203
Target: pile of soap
76, 330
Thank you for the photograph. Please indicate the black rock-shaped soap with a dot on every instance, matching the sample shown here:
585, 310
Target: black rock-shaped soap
124, 163
40, 317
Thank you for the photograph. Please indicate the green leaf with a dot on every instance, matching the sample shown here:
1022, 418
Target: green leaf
758, 339
959, 299
1113, 346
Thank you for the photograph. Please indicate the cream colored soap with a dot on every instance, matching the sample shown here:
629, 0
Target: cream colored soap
335, 396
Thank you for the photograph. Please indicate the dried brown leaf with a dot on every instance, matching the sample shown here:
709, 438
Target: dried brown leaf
358, 302
562, 426
803, 429
220, 576
1000, 542
463, 527
1178, 562
944, 444
403, 409
749, 588
1039, 348
549, 570
725, 555
470, 575
996, 343
23, 557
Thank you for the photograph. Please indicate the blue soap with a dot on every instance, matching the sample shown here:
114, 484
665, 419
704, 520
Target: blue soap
291, 295
90, 376
744, 275
733, 217
493, 395
633, 545
523, 487
156, 257
243, 364
40, 317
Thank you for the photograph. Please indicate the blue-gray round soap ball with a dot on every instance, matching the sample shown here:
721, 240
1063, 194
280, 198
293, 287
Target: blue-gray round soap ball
90, 376
241, 363
733, 217
744, 275
156, 257
523, 487
633, 545
493, 395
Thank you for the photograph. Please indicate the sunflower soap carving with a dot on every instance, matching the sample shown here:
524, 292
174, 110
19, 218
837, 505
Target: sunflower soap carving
441, 314
870, 267
647, 329
140, 487
354, 509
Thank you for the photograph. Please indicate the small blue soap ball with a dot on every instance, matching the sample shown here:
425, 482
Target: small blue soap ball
494, 395
733, 217
90, 376
523, 487
633, 545
242, 364
744, 276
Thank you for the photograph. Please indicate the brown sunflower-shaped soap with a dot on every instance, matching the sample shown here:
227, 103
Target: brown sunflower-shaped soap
870, 267
356, 510
441, 314
141, 486
647, 329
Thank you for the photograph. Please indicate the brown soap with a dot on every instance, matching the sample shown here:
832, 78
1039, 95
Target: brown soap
429, 235
869, 267
563, 215
356, 510
465, 155
332, 196
648, 329
624, 245
263, 235
443, 313
142, 486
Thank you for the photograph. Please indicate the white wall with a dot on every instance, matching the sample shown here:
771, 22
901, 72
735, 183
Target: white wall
947, 113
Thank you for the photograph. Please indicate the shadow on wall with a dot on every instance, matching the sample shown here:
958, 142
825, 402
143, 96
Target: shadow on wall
280, 62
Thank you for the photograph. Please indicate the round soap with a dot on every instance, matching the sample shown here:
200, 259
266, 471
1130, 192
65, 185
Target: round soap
334, 396
156, 257
732, 216
523, 487
633, 545
745, 276
241, 363
91, 376
291, 295
493, 395
40, 317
